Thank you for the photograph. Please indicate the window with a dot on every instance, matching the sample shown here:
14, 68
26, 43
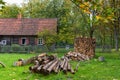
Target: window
15, 40
23, 41
4, 42
40, 41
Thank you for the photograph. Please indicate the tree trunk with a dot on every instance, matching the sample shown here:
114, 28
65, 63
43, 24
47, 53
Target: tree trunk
103, 43
116, 38
111, 40
91, 32
116, 25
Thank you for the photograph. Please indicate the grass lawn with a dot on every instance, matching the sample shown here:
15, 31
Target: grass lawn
88, 70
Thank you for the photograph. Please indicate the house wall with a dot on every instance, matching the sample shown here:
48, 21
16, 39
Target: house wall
30, 40
7, 39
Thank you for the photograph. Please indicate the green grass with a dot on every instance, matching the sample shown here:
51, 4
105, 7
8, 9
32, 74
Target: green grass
88, 70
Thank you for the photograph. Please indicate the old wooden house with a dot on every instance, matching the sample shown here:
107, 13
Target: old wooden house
24, 31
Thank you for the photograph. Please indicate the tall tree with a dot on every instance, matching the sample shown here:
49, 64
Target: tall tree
116, 5
2, 3
50, 37
10, 11
97, 11
60, 9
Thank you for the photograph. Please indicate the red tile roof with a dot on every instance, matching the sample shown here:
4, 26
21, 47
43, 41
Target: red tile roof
27, 26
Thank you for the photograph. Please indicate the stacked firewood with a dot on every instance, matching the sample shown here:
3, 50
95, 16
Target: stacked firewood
22, 62
77, 56
47, 64
85, 46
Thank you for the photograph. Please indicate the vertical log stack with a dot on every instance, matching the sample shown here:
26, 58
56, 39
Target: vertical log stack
85, 46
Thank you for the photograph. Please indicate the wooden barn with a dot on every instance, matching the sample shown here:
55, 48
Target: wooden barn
24, 31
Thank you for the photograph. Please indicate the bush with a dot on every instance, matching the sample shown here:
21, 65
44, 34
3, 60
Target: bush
16, 48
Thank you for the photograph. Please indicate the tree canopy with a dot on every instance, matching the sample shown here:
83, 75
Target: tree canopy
91, 18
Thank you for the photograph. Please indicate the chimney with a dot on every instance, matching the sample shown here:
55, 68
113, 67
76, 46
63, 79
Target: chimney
19, 16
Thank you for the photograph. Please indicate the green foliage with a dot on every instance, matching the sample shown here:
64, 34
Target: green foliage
19, 48
60, 9
96, 12
16, 47
33, 8
72, 21
49, 36
10, 11
2, 3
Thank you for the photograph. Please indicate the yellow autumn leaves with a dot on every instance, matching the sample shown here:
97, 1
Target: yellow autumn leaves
85, 7
98, 17
105, 19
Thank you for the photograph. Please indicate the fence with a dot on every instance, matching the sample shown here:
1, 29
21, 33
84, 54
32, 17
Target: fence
22, 49
30, 49
39, 49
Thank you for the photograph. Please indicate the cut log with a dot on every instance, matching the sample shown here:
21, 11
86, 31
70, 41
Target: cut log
39, 68
3, 65
57, 68
18, 63
34, 68
77, 56
72, 71
22, 62
52, 66
69, 67
62, 63
47, 65
65, 68
46, 61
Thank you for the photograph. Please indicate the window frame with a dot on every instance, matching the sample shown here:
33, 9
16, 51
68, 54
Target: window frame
22, 40
4, 42
40, 41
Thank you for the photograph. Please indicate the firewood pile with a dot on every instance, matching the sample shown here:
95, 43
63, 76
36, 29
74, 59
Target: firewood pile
48, 64
22, 62
85, 46
77, 56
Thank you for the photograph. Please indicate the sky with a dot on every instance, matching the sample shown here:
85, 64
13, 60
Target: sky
18, 2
